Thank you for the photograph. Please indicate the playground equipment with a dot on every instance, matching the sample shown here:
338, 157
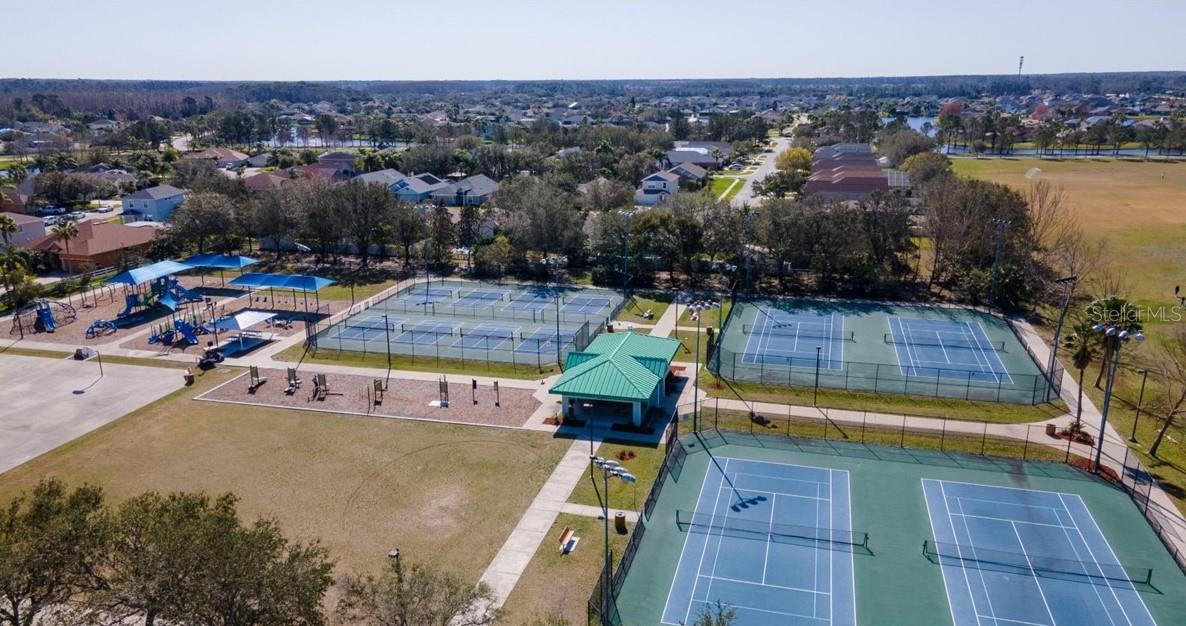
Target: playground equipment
168, 289
132, 302
100, 327
187, 332
42, 316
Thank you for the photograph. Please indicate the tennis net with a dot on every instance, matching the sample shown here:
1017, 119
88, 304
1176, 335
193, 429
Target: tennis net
479, 294
749, 529
1039, 565
947, 342
370, 323
436, 291
417, 329
793, 330
501, 333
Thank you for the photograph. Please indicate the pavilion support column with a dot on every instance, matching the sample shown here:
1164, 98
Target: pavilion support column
637, 412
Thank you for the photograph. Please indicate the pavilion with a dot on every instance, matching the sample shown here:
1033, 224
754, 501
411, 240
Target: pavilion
624, 368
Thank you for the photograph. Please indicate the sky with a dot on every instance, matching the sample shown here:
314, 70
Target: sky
590, 39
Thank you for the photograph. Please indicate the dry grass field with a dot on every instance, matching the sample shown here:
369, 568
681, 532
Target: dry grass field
441, 493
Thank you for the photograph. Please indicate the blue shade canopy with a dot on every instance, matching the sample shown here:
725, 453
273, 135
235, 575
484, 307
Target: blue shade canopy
146, 273
282, 281
221, 261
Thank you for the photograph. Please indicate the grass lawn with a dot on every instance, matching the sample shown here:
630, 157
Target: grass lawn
721, 184
1136, 206
994, 412
558, 584
639, 304
420, 364
687, 352
644, 465
442, 493
707, 318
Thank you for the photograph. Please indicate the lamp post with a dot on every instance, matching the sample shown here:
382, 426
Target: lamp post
608, 468
1000, 225
1068, 284
387, 336
815, 392
1119, 336
1140, 401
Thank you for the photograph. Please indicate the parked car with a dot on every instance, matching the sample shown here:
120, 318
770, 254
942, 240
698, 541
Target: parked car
77, 215
104, 209
50, 220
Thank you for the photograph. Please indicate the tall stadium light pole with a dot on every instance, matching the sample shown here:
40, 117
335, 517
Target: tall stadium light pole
1000, 225
608, 468
696, 379
1068, 284
1119, 337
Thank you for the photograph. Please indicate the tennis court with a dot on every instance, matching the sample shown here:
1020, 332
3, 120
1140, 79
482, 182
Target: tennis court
530, 325
773, 541
1020, 556
785, 338
875, 347
946, 349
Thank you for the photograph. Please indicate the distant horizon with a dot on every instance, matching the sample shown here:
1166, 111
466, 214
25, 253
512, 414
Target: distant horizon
476, 40
586, 80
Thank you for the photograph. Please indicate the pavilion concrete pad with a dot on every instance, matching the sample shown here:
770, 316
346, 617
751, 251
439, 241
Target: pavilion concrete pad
49, 402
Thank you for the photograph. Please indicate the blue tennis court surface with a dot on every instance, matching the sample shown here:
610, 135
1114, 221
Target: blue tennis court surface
367, 327
1016, 556
543, 341
586, 305
770, 540
486, 336
946, 349
425, 333
780, 337
528, 301
480, 298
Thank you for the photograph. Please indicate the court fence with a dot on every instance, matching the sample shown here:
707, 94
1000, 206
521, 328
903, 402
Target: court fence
881, 378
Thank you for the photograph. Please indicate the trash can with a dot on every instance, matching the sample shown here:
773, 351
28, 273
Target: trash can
620, 522
1051, 430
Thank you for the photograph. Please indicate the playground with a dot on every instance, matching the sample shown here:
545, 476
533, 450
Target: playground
398, 396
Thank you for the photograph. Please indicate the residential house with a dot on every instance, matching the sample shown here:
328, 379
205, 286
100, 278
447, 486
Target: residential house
416, 188
846, 172
260, 160
707, 154
265, 180
385, 177
471, 191
154, 204
224, 157
13, 200
98, 244
28, 228
691, 173
657, 188
343, 161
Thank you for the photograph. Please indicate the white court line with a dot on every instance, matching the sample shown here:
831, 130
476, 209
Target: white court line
972, 544
815, 561
1006, 620
1007, 519
703, 549
771, 586
930, 521
1095, 588
716, 558
1107, 545
682, 551
1033, 573
769, 524
1098, 565
959, 551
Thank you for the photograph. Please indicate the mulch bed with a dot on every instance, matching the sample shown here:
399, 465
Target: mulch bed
1086, 465
404, 398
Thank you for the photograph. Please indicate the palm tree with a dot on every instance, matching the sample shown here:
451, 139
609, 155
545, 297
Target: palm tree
1082, 343
7, 228
66, 230
1118, 312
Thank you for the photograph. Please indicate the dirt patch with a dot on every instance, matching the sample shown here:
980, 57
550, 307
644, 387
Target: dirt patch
403, 398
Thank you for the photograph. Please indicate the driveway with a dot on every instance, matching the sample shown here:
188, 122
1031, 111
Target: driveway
746, 195
49, 402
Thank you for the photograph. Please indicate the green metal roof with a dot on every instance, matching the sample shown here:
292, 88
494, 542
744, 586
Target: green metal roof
617, 366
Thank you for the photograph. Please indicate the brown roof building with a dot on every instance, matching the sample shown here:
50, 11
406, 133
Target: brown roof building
98, 244
845, 172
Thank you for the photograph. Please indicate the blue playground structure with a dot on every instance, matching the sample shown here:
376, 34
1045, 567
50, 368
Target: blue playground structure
131, 304
42, 316
100, 327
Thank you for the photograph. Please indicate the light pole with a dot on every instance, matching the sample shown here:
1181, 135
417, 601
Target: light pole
1000, 225
387, 336
1119, 337
815, 393
1140, 401
1068, 283
608, 468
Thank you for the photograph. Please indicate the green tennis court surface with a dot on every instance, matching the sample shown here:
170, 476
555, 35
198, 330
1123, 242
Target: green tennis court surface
907, 572
881, 348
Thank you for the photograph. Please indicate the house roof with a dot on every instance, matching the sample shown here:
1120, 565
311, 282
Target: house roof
155, 193
668, 176
474, 186
264, 180
385, 177
20, 219
618, 366
221, 154
689, 170
96, 238
418, 184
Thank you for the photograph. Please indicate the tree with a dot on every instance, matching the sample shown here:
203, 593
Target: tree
64, 231
441, 236
781, 184
420, 596
716, 614
367, 212
203, 217
1118, 312
902, 142
49, 539
1082, 343
7, 228
794, 159
408, 228
1170, 362
926, 166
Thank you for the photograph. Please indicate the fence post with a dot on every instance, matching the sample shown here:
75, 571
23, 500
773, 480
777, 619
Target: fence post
943, 435
902, 437
1067, 458
983, 438
1026, 447
864, 416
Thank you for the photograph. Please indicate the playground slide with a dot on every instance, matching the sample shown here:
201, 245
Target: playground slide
187, 332
183, 294
131, 301
46, 317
